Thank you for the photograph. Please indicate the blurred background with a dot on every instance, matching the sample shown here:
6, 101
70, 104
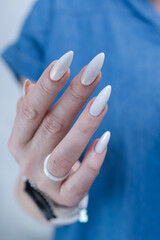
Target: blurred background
129, 202
14, 222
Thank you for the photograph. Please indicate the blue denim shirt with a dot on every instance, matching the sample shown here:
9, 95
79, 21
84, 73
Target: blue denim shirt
125, 198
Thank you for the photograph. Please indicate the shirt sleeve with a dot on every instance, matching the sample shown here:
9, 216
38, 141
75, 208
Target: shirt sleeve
26, 56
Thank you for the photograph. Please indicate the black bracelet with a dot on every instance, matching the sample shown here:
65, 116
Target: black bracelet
40, 200
56, 214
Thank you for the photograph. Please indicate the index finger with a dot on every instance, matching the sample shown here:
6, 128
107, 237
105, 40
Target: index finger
37, 102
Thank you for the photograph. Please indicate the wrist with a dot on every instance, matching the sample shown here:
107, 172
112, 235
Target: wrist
53, 212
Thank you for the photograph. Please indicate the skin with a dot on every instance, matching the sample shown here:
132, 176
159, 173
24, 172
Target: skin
156, 4
36, 126
39, 131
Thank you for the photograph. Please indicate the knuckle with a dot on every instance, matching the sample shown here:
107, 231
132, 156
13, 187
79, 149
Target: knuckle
73, 190
28, 111
93, 168
58, 163
75, 94
87, 128
45, 87
53, 125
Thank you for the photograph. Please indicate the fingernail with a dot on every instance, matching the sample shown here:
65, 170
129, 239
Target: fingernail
92, 70
102, 142
100, 101
27, 82
61, 66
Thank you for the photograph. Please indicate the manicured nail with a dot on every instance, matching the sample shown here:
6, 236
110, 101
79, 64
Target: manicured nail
27, 82
92, 70
100, 101
61, 66
102, 142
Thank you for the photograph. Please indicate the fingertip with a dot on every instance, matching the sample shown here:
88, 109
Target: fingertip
61, 66
102, 143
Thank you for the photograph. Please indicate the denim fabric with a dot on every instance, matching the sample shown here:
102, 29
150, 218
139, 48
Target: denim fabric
125, 198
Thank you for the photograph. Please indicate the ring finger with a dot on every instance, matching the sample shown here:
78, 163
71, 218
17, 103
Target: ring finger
73, 144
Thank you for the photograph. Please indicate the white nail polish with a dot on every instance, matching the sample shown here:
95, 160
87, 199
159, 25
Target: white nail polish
61, 66
92, 70
26, 83
100, 101
102, 142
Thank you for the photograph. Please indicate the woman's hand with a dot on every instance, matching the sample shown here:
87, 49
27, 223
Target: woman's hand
39, 131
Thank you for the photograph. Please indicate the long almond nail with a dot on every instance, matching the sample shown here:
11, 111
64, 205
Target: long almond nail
27, 82
61, 66
100, 101
92, 70
102, 142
